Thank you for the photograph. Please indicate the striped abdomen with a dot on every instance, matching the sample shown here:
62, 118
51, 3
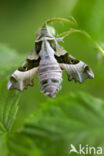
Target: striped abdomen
50, 78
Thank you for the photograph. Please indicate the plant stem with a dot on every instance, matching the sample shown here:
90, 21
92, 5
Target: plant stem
73, 21
97, 46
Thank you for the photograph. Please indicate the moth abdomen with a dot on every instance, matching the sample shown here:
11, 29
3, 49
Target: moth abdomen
50, 78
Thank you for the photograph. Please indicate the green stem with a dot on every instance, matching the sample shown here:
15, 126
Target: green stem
73, 21
98, 47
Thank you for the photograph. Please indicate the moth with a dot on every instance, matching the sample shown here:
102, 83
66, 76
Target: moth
48, 60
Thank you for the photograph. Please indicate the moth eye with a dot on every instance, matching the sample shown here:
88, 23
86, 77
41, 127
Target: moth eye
54, 80
44, 82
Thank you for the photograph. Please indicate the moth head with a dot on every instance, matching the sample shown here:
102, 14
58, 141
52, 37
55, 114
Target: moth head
44, 32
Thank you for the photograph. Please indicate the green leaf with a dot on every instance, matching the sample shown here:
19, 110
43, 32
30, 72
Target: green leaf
75, 119
2, 128
8, 108
20, 145
11, 143
15, 144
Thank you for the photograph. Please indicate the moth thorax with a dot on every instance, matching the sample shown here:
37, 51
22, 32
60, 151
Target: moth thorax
50, 78
47, 52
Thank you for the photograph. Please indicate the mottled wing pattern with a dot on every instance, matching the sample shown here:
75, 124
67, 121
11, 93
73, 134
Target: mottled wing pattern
24, 75
31, 62
76, 70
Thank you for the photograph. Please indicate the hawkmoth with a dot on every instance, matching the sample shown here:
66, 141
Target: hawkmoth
48, 60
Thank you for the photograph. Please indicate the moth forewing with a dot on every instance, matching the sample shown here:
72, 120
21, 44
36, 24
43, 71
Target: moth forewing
21, 80
33, 55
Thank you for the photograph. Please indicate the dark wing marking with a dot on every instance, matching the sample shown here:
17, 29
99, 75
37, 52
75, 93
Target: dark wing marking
31, 62
67, 59
23, 77
76, 70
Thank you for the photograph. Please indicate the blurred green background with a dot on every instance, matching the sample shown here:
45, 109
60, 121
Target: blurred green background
19, 22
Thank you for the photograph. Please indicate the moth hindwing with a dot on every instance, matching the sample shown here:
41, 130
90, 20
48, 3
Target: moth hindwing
48, 60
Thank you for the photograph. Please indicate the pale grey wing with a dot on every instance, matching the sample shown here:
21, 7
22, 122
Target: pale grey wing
59, 51
24, 75
21, 80
76, 70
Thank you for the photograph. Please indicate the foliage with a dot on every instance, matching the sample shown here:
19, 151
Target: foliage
8, 111
74, 119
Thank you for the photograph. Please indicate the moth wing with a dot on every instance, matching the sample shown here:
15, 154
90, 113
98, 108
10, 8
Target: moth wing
59, 51
76, 69
21, 80
24, 75
31, 61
